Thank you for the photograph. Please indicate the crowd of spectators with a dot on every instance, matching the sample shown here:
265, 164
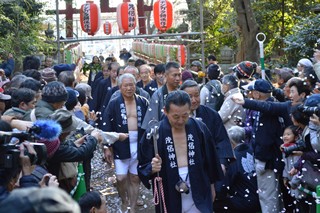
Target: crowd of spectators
265, 132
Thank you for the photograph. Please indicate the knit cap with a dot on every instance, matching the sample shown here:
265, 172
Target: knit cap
51, 145
48, 74
245, 69
54, 92
186, 75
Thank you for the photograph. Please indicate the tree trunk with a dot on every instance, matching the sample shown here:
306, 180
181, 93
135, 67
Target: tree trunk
248, 29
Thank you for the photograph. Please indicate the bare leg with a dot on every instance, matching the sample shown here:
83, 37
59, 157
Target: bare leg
134, 183
122, 187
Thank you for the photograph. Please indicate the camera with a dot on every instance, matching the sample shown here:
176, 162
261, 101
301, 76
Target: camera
300, 145
309, 111
182, 187
10, 153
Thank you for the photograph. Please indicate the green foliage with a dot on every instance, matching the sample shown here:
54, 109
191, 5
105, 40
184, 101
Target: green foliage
219, 24
95, 68
303, 37
21, 29
222, 30
276, 19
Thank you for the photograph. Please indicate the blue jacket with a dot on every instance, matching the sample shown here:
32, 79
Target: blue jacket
8, 66
25, 181
268, 129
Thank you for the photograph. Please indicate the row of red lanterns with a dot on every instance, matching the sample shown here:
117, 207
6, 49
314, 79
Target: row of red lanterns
127, 17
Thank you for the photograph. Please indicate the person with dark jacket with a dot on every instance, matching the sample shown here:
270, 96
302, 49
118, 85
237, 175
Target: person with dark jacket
212, 120
8, 65
9, 176
215, 125
125, 55
267, 130
70, 150
157, 101
158, 81
185, 159
240, 183
104, 85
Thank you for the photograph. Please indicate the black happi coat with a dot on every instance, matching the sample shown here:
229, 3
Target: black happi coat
102, 88
203, 165
220, 136
116, 121
151, 87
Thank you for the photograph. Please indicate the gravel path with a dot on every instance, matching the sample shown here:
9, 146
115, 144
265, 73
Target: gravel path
103, 180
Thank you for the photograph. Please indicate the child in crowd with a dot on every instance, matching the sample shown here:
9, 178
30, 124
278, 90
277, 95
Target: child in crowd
290, 137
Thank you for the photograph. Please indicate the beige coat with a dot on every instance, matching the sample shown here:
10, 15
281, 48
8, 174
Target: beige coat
230, 111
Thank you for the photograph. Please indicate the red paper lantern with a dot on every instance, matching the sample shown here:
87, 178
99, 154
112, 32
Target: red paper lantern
126, 16
181, 55
90, 18
163, 15
107, 28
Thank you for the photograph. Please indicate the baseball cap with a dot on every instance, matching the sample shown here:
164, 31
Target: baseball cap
262, 85
86, 88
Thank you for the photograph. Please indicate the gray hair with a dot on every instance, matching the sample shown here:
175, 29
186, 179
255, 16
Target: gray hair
131, 68
126, 75
189, 83
236, 134
145, 66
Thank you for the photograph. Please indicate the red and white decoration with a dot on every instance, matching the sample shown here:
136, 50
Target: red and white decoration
163, 15
90, 18
107, 28
127, 16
